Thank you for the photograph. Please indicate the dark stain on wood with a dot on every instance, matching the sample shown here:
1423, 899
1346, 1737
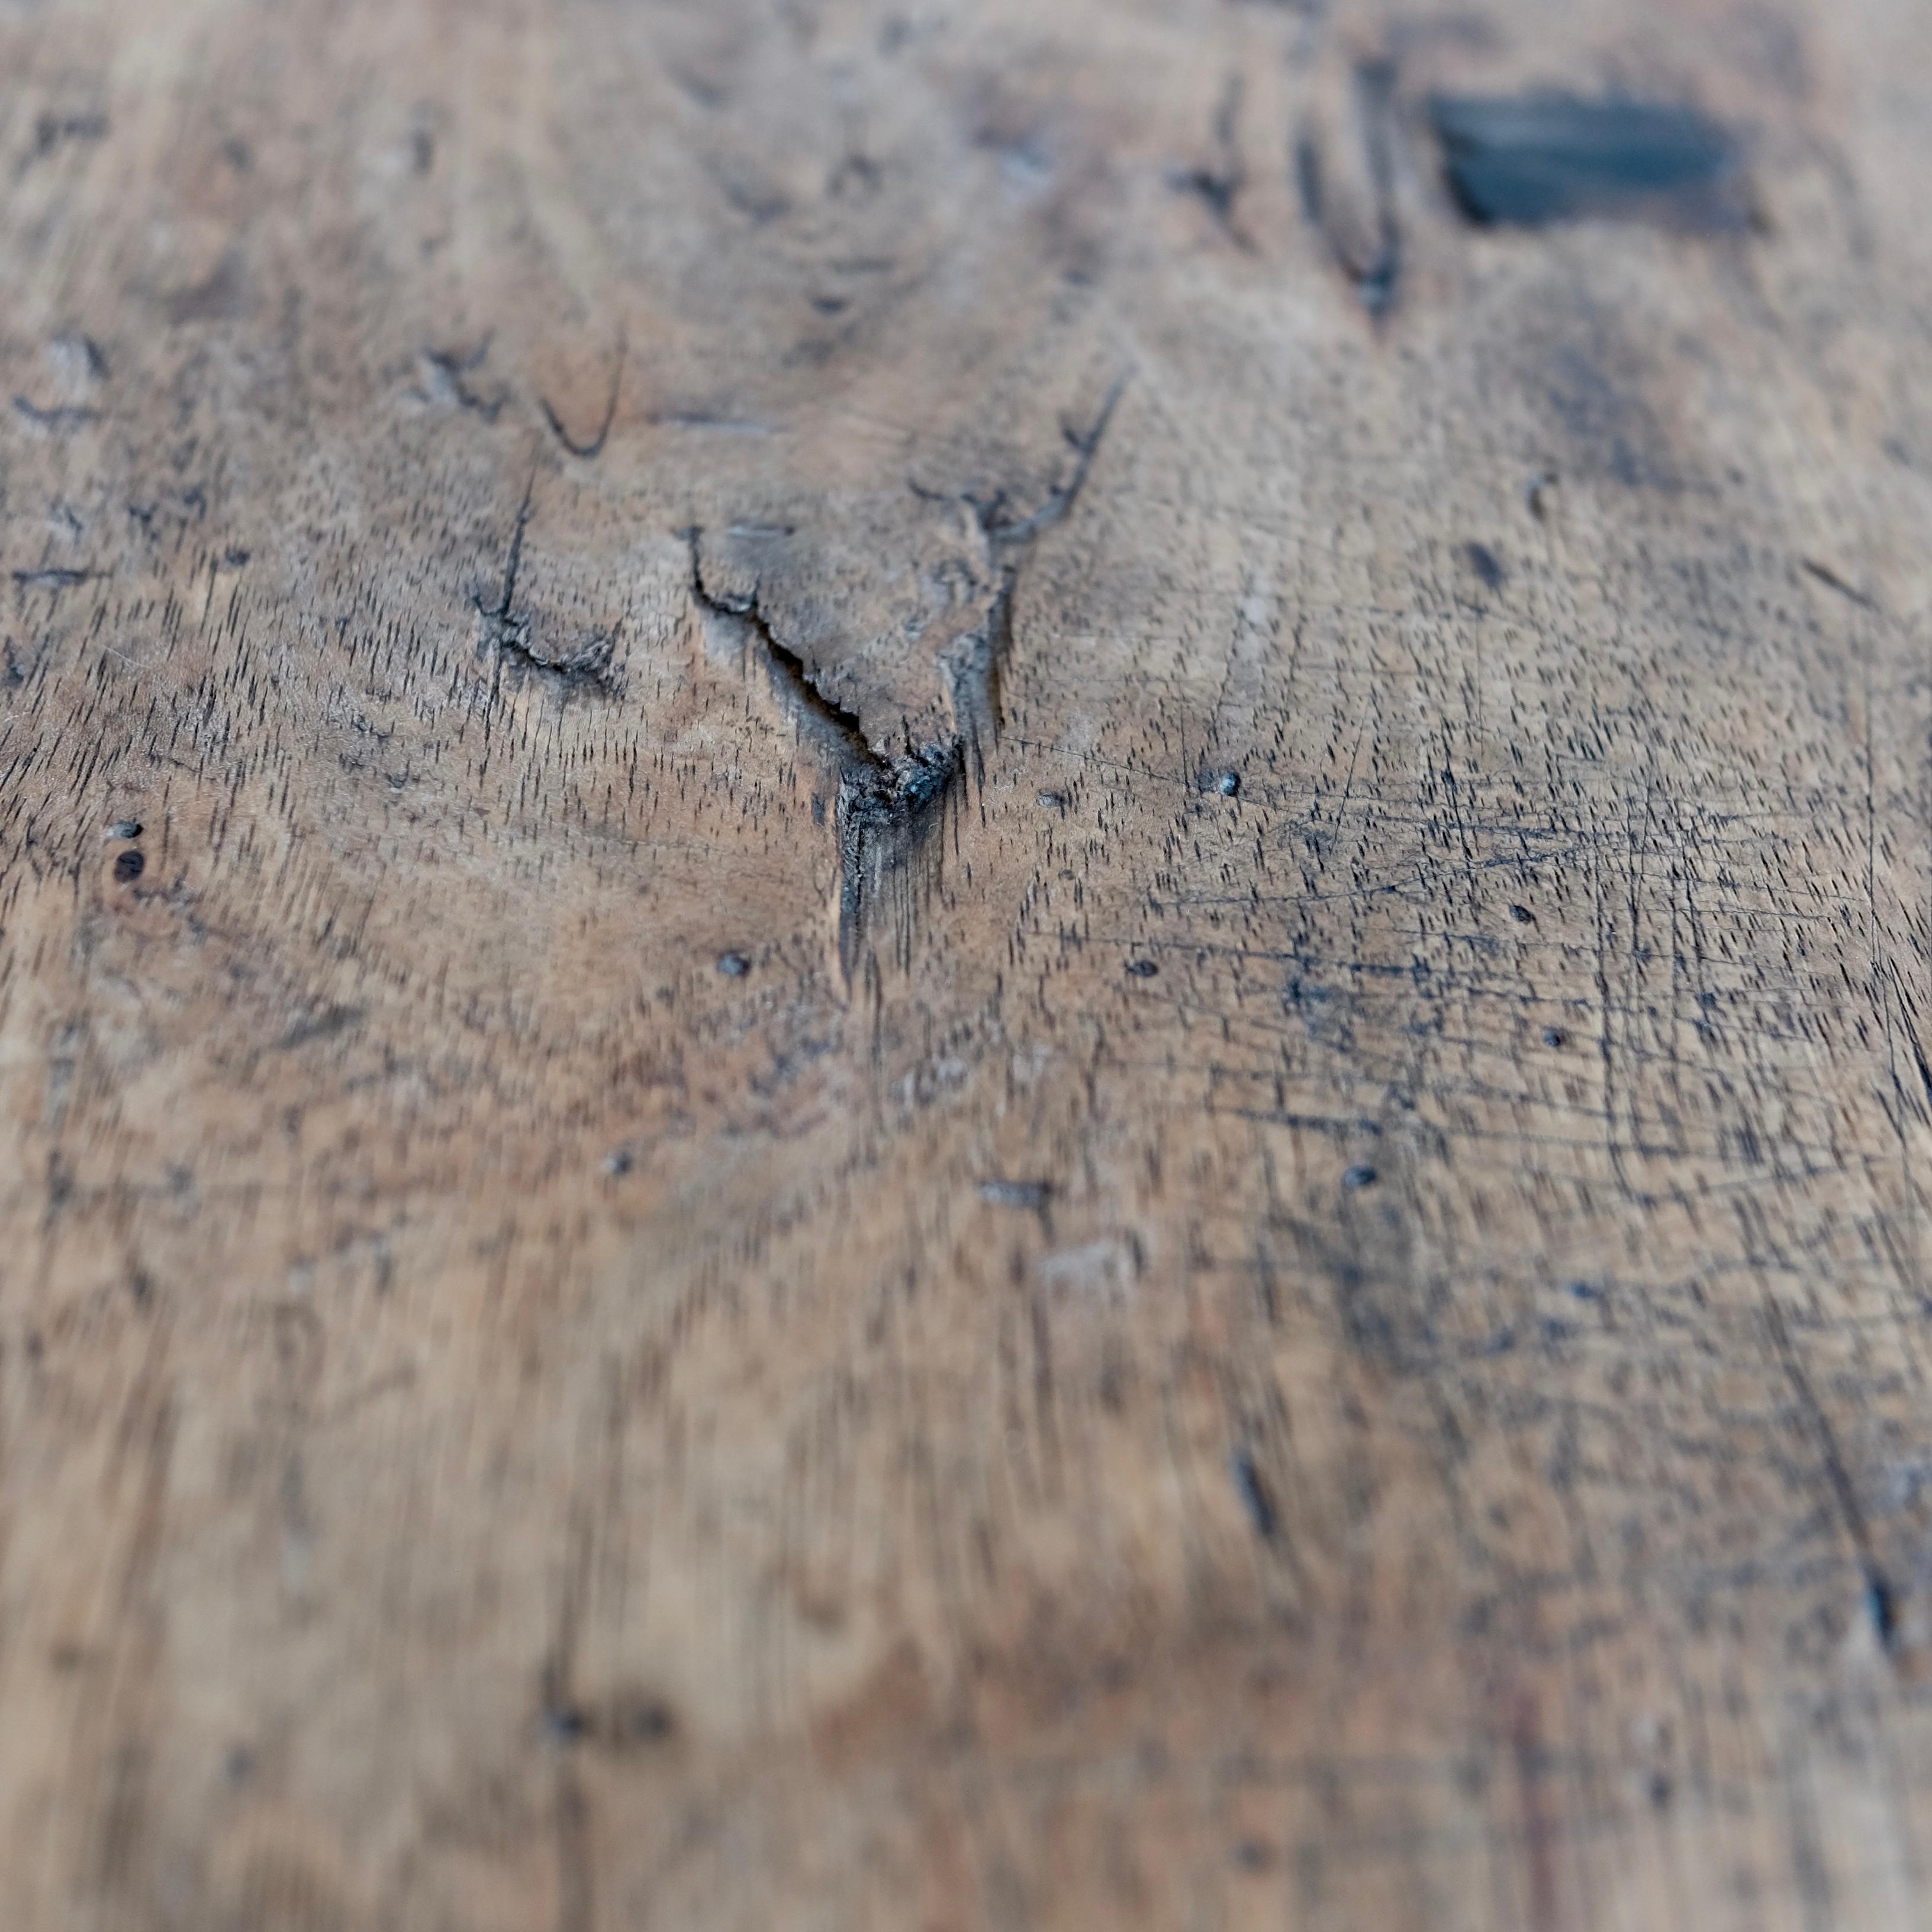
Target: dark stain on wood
1535, 159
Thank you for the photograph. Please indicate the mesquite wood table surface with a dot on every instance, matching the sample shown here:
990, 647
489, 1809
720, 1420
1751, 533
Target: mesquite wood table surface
965, 963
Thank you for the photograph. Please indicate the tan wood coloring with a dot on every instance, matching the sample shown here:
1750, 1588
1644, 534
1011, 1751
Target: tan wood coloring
965, 963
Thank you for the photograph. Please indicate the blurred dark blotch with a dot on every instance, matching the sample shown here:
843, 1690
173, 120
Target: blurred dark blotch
1538, 158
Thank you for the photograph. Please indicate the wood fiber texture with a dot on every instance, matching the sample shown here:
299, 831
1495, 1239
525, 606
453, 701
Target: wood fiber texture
938, 990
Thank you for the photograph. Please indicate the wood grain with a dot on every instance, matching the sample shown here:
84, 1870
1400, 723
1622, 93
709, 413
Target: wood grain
938, 991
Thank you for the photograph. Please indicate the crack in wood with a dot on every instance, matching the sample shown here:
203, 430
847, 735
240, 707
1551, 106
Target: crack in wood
888, 806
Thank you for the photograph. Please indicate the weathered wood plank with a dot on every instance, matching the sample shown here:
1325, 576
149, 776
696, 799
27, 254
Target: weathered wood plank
937, 989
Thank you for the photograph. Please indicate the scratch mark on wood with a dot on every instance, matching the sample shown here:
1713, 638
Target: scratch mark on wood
594, 448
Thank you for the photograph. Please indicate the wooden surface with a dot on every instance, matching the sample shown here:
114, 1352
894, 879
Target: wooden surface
1025, 1017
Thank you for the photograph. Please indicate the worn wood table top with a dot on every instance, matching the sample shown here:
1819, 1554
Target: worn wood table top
964, 963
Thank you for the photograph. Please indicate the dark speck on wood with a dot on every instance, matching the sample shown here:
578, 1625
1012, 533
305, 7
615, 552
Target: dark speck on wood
1251, 1487
1882, 1605
1830, 578
1029, 1194
564, 1724
1540, 158
1142, 969
327, 1023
